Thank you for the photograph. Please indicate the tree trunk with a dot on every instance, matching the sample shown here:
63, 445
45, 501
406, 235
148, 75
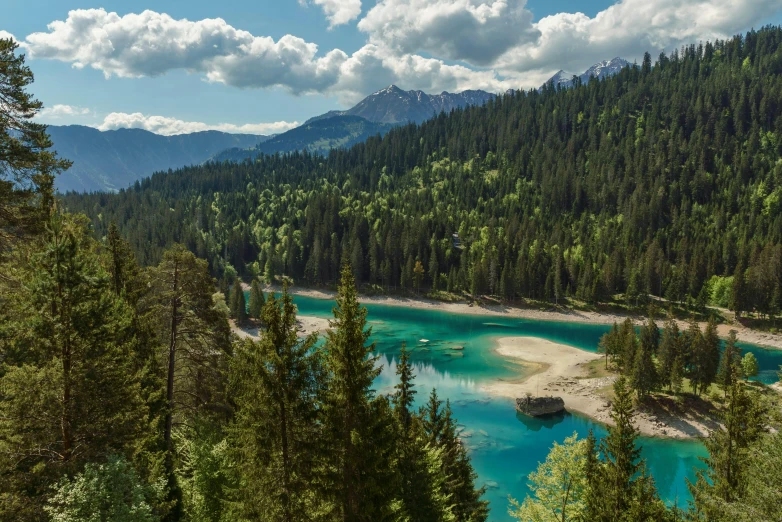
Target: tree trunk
172, 359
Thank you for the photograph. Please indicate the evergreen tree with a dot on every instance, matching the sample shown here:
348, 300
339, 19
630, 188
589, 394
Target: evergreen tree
70, 391
724, 480
194, 333
669, 350
358, 424
460, 476
238, 305
644, 372
257, 300
729, 363
432, 418
27, 166
278, 382
621, 453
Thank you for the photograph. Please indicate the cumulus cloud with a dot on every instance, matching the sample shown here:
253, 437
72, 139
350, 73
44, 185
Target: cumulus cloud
474, 31
574, 41
5, 35
151, 44
338, 12
171, 126
59, 110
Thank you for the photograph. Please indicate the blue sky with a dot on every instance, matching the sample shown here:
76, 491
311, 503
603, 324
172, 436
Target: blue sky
271, 64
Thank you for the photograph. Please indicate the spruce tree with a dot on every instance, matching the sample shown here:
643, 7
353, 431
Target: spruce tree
70, 390
359, 425
669, 350
729, 363
620, 452
238, 304
432, 418
724, 481
644, 372
278, 383
27, 166
256, 301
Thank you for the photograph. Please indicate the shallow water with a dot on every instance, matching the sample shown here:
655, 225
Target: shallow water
505, 447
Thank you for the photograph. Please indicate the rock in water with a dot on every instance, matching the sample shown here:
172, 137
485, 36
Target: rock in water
540, 406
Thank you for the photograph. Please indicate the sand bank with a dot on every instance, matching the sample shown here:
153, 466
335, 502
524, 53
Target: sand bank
307, 324
558, 370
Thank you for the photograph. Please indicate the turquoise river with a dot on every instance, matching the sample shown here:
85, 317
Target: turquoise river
505, 447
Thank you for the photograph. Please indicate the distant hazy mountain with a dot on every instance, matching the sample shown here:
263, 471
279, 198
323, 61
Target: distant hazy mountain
599, 70
393, 105
316, 135
111, 160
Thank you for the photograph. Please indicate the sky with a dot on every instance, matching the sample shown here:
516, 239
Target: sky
263, 67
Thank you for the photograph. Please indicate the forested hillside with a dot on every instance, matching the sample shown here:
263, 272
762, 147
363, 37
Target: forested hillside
317, 137
655, 181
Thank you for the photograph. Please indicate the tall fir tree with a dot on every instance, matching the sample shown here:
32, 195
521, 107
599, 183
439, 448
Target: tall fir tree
730, 363
359, 425
278, 383
237, 303
256, 300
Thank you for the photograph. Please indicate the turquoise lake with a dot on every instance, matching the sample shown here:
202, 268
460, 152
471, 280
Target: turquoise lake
505, 447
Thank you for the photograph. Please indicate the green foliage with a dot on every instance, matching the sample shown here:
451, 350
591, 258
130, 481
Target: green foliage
597, 208
257, 300
749, 365
70, 390
27, 167
276, 436
724, 481
102, 492
558, 485
238, 305
720, 290
730, 363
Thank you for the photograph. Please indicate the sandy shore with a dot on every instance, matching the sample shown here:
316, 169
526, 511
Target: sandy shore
558, 371
744, 334
307, 324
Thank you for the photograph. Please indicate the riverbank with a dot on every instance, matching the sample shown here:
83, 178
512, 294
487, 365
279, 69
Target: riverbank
307, 324
559, 370
743, 334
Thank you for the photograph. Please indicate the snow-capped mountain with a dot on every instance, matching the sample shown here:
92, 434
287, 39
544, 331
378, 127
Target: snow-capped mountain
600, 70
393, 105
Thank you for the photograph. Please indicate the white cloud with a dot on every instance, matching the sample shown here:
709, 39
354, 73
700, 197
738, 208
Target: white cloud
59, 110
151, 44
171, 126
574, 41
5, 35
474, 31
338, 12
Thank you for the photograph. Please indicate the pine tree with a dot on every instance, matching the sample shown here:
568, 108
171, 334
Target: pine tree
432, 418
620, 452
257, 300
70, 390
644, 372
405, 391
738, 291
724, 481
460, 476
278, 382
27, 166
729, 363
669, 350
358, 424
237, 303
193, 331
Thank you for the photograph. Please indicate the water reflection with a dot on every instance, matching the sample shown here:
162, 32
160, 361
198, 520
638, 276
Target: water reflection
538, 423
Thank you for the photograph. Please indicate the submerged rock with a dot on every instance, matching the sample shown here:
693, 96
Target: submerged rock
540, 406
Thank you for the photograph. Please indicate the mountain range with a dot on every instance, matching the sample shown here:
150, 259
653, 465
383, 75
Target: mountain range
316, 135
111, 160
393, 105
598, 71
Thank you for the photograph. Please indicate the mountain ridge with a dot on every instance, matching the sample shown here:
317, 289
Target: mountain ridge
113, 159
